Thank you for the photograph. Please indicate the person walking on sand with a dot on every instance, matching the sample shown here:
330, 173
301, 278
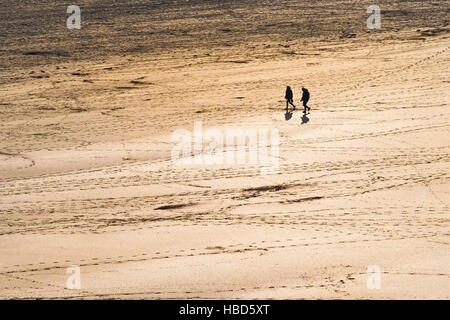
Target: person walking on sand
305, 99
289, 97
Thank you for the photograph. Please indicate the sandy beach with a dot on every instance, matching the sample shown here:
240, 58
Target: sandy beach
87, 177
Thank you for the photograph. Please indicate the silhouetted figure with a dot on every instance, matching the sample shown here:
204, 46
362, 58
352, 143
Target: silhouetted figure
289, 97
305, 99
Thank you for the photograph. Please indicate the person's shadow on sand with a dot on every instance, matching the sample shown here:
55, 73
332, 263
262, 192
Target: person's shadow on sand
288, 115
305, 119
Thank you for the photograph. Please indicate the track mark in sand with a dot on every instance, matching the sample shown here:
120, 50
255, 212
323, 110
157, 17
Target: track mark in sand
305, 199
337, 283
256, 191
39, 285
140, 82
175, 206
411, 273
394, 71
71, 180
9, 154
211, 250
215, 248
358, 136
195, 185
94, 220
272, 188
46, 53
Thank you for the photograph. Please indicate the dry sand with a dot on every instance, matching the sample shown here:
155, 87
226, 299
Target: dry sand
85, 152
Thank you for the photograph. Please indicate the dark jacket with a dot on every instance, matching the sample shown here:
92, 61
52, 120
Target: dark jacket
289, 95
305, 96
